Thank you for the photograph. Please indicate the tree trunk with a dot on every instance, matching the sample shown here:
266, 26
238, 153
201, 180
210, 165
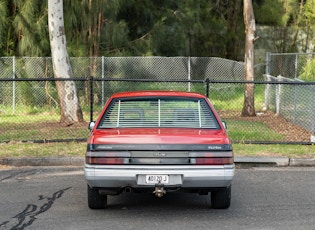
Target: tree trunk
69, 104
249, 20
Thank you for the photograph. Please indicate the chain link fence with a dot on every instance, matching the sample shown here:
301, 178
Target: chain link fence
288, 95
30, 109
289, 65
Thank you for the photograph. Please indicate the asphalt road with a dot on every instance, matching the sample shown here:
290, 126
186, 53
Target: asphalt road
55, 198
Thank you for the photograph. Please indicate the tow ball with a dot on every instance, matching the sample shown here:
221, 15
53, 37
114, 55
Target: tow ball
159, 190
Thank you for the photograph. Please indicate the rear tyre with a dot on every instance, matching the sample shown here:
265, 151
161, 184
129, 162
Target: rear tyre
221, 199
96, 200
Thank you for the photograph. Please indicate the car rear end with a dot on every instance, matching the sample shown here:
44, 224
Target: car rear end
159, 142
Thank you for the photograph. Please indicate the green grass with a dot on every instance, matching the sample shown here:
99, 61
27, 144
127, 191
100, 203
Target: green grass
28, 118
232, 98
281, 150
41, 130
250, 131
44, 134
42, 150
39, 126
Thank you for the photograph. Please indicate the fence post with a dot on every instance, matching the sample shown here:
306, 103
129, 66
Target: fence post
189, 77
103, 84
268, 57
13, 85
207, 87
313, 119
296, 66
267, 92
91, 98
278, 94
295, 103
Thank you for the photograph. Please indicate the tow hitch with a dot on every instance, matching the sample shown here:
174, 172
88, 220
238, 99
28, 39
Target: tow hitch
159, 190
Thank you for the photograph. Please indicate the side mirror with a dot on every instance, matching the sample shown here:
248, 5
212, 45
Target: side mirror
224, 124
91, 125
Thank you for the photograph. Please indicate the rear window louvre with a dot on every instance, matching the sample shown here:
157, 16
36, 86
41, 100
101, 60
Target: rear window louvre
159, 112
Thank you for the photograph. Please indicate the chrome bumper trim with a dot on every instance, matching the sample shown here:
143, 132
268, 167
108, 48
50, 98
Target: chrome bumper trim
192, 176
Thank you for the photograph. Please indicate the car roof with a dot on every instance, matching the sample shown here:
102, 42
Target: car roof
155, 93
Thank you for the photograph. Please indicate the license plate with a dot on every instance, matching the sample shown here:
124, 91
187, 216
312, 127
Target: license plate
156, 179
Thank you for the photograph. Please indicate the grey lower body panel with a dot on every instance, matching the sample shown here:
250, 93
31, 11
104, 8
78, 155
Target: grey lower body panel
179, 176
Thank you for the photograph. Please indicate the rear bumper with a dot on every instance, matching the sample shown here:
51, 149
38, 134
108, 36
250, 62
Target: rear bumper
184, 176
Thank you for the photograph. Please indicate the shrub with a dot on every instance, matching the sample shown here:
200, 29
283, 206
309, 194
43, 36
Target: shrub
308, 71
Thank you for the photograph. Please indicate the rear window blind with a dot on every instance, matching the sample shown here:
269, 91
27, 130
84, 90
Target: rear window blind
159, 112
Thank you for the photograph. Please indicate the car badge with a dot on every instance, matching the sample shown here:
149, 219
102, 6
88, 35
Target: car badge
159, 154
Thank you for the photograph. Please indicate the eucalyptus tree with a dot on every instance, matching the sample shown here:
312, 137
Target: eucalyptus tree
69, 104
250, 25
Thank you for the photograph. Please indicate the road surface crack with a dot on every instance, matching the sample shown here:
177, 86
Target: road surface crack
29, 214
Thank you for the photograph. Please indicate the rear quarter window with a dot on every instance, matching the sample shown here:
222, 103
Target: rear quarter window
159, 112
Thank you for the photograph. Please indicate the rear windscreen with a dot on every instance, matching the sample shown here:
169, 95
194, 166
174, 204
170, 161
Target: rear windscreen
159, 112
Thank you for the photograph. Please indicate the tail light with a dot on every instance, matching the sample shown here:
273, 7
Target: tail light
107, 158
104, 160
212, 158
214, 161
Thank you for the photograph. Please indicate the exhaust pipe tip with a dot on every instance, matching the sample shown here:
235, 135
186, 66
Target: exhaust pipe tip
128, 189
159, 191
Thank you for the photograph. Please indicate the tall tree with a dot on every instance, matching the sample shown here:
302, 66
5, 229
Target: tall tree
203, 25
249, 21
69, 104
3, 26
30, 23
309, 24
92, 27
235, 29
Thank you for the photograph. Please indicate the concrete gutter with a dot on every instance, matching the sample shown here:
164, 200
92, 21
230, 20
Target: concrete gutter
302, 162
262, 161
241, 162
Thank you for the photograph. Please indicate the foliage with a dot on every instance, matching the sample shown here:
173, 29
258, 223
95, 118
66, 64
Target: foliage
308, 71
30, 24
120, 28
309, 15
276, 12
3, 26
309, 11
146, 27
293, 21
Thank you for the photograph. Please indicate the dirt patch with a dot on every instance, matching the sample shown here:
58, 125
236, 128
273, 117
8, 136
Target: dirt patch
290, 131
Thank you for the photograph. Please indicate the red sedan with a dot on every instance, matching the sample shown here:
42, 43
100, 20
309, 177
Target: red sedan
159, 142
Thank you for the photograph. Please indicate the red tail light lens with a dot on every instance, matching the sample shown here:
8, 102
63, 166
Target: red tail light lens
214, 161
107, 157
104, 160
212, 158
